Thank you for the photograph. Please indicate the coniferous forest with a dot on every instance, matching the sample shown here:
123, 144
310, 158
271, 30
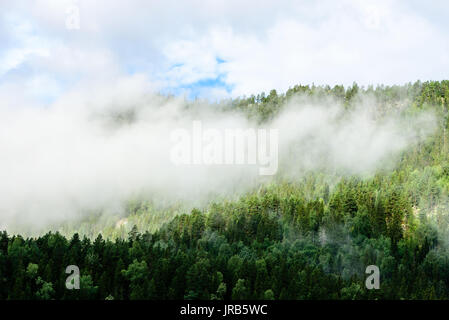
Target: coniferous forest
305, 238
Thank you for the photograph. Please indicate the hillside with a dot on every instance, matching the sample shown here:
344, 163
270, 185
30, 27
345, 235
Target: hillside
295, 236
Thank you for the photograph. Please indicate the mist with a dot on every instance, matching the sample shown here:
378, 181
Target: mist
97, 146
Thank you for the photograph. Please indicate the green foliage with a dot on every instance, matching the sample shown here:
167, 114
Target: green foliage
307, 239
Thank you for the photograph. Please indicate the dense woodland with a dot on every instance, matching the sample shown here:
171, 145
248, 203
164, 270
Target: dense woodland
307, 239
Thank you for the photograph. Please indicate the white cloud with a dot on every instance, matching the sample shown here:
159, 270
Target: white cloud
73, 157
58, 157
370, 43
265, 45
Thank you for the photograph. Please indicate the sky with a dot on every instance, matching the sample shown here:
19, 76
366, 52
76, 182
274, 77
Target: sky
216, 49
69, 67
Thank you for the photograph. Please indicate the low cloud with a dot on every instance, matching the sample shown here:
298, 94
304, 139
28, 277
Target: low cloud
100, 145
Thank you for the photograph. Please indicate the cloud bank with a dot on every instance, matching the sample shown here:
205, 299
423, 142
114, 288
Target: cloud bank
100, 145
81, 132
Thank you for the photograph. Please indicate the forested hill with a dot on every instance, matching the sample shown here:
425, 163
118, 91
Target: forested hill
303, 239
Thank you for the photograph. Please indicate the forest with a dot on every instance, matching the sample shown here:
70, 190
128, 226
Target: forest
311, 238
